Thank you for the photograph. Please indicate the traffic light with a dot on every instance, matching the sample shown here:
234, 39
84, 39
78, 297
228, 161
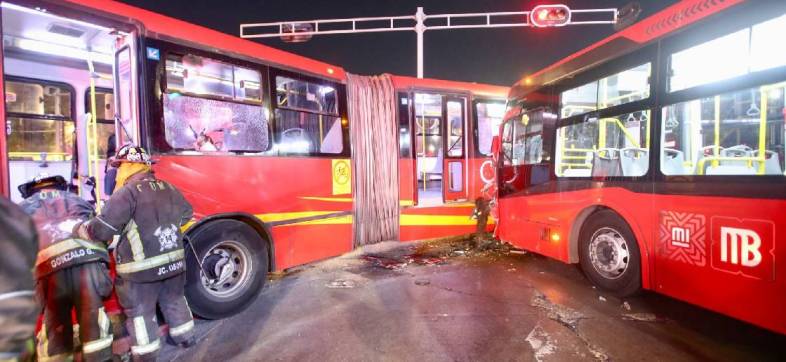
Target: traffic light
543, 16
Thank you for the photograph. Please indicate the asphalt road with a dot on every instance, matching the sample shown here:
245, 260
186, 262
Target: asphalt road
428, 302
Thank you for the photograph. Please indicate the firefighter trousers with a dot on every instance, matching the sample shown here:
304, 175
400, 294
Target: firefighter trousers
81, 288
139, 302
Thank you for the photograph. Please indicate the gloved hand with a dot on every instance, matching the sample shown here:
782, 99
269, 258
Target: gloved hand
80, 231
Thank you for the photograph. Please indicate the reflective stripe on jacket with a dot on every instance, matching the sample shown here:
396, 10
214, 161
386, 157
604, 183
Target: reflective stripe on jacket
147, 213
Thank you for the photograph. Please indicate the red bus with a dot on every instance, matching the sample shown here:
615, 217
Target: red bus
655, 159
257, 139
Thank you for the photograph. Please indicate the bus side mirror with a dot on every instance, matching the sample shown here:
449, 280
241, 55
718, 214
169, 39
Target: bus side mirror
495, 145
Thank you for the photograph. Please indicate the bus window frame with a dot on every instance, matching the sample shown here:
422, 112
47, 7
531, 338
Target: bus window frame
476, 152
702, 33
696, 35
647, 54
72, 106
341, 98
154, 126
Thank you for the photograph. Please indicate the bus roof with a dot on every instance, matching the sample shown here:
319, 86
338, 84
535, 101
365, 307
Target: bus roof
480, 89
179, 29
662, 23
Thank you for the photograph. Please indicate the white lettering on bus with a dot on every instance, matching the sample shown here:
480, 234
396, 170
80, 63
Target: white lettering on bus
740, 246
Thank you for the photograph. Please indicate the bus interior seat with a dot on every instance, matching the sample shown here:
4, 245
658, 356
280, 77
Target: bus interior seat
772, 163
634, 161
606, 163
738, 151
672, 162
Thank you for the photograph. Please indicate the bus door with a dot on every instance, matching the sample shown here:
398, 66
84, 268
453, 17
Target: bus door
454, 165
4, 189
429, 125
127, 89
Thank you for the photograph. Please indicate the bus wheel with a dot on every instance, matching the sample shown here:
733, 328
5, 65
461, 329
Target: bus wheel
231, 269
609, 254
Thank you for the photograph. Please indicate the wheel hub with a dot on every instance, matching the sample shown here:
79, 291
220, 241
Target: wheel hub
227, 269
608, 253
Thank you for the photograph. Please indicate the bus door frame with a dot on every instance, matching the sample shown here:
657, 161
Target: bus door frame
4, 168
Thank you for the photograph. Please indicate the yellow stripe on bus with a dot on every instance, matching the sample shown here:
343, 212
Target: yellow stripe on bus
333, 199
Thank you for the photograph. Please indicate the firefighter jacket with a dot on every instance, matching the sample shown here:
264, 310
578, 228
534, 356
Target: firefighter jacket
55, 212
147, 213
18, 245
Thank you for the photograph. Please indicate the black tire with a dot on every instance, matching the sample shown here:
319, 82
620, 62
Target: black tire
240, 244
622, 282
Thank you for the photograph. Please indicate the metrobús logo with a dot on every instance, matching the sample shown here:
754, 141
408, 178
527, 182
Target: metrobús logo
743, 247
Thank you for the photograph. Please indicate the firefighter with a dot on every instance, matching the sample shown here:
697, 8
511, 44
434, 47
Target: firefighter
70, 273
18, 310
147, 213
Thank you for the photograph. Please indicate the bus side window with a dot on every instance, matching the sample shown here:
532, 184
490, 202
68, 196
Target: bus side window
40, 123
307, 118
212, 106
729, 134
489, 116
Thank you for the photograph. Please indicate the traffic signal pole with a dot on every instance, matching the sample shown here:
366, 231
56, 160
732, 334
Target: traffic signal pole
540, 16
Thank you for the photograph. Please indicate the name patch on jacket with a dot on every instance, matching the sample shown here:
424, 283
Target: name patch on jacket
69, 256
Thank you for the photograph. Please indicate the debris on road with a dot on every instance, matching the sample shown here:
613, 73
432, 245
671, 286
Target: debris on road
626, 305
341, 284
641, 317
541, 344
601, 298
562, 314
519, 252
422, 282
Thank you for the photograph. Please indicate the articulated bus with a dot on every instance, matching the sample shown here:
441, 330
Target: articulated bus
655, 159
257, 139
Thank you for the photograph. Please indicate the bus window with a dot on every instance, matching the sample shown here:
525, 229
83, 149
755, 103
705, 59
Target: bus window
608, 147
428, 127
455, 131
205, 106
126, 98
579, 100
209, 125
625, 87
736, 54
307, 119
730, 134
489, 116
39, 121
105, 109
405, 132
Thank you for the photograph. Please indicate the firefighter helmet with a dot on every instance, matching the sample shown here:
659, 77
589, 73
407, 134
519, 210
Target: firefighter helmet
131, 154
42, 181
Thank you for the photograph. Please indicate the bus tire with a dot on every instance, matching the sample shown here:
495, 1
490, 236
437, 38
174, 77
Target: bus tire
235, 262
609, 254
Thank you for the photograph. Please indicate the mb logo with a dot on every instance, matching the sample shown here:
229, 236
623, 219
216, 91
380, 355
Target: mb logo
740, 246
744, 247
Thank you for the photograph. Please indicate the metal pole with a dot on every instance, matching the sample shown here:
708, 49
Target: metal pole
420, 28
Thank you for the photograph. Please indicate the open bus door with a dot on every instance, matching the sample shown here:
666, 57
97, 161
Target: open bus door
126, 91
4, 173
454, 166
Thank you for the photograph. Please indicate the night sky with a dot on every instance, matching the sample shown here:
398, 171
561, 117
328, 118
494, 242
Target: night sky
497, 56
